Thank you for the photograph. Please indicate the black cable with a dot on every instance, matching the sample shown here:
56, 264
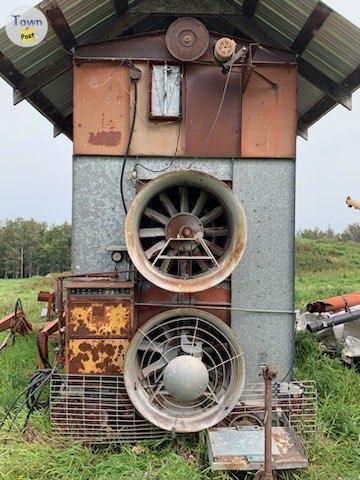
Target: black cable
32, 401
128, 148
32, 394
160, 170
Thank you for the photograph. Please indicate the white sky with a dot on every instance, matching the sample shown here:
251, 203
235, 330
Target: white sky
35, 178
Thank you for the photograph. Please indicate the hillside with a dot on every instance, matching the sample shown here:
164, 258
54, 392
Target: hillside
324, 267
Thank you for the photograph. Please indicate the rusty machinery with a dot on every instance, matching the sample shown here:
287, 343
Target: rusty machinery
150, 349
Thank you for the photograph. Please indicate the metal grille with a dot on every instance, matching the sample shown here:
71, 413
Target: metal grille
294, 405
97, 409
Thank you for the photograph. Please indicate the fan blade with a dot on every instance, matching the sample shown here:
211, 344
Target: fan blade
165, 265
184, 266
153, 367
216, 232
157, 216
216, 250
209, 217
200, 203
188, 347
151, 232
150, 252
165, 200
184, 199
152, 346
201, 263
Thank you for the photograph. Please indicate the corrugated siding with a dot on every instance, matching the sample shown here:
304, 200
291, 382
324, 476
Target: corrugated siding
286, 17
335, 50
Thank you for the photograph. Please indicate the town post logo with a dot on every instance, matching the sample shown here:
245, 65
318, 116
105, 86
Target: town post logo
26, 26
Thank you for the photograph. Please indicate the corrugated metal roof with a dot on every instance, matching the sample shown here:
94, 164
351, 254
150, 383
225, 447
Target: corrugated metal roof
332, 55
60, 94
83, 16
285, 17
335, 50
308, 95
30, 60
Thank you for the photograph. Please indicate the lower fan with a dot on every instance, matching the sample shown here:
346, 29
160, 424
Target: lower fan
184, 370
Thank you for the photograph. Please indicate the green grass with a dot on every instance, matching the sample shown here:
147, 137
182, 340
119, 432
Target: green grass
324, 268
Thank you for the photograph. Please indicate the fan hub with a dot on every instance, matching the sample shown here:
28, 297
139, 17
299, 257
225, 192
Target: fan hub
184, 225
186, 378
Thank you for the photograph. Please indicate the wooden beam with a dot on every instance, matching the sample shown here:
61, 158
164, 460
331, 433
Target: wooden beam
302, 130
57, 20
9, 71
66, 126
121, 6
37, 99
352, 81
249, 7
184, 7
313, 23
327, 103
323, 82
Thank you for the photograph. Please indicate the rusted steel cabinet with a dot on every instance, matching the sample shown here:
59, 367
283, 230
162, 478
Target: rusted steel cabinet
269, 113
207, 132
99, 324
101, 108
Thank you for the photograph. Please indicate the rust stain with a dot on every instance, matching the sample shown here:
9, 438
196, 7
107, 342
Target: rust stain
100, 319
101, 108
108, 139
97, 356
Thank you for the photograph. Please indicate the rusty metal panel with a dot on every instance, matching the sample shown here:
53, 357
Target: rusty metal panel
95, 356
101, 318
151, 137
269, 113
101, 108
204, 88
151, 300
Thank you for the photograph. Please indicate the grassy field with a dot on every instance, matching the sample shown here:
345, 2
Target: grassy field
323, 268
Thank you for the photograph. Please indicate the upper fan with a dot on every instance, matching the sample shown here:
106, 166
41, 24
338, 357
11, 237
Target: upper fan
185, 231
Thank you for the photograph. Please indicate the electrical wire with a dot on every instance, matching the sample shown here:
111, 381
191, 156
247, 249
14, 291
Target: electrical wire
128, 148
220, 105
172, 160
32, 394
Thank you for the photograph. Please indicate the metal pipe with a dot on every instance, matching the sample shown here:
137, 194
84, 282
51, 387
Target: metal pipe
334, 320
269, 375
340, 302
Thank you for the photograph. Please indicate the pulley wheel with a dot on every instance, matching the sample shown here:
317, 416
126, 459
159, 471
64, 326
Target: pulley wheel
187, 39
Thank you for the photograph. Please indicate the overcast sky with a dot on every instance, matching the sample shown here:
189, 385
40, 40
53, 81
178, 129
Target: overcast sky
35, 178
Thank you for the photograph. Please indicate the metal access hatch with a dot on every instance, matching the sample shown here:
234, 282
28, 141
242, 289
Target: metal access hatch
242, 448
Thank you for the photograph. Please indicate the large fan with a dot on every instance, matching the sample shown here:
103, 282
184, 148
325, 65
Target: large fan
184, 370
185, 231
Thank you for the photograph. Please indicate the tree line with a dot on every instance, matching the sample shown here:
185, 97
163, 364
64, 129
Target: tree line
350, 234
29, 247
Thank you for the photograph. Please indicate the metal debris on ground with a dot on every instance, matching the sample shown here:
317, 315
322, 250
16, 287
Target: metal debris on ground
336, 321
15, 322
